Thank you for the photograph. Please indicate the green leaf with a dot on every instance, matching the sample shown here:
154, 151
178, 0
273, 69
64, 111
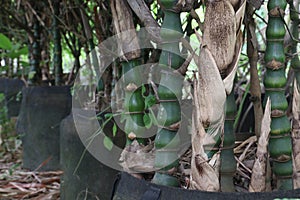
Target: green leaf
108, 115
143, 90
2, 97
150, 101
15, 46
23, 51
31, 75
147, 121
153, 118
108, 143
12, 54
25, 64
114, 129
5, 42
3, 68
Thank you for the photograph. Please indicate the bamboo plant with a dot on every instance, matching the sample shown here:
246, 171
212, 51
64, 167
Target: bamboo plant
35, 70
57, 57
295, 64
280, 147
228, 165
134, 104
294, 15
217, 65
169, 92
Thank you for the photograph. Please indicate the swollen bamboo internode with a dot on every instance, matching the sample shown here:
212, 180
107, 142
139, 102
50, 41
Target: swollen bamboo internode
280, 147
169, 92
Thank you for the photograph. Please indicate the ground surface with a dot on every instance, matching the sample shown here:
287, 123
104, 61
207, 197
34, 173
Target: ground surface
19, 183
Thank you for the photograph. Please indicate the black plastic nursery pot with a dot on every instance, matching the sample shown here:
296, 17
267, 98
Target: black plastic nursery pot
11, 88
85, 177
129, 188
41, 112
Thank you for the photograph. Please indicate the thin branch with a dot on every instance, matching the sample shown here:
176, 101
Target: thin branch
35, 14
287, 27
262, 19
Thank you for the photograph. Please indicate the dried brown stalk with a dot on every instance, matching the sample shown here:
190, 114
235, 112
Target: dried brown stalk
258, 177
296, 136
255, 90
128, 41
142, 11
203, 175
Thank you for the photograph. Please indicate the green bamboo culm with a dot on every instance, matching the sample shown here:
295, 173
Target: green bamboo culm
228, 162
295, 62
134, 103
57, 50
280, 146
169, 92
35, 70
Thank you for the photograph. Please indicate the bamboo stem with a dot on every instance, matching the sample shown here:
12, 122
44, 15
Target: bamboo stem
169, 92
280, 146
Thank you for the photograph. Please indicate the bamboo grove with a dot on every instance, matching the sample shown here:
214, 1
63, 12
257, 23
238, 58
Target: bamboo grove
218, 62
219, 72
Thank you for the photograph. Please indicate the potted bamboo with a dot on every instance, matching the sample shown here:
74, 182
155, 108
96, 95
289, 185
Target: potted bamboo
224, 62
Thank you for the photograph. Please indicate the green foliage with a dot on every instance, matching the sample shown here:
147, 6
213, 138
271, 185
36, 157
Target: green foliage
5, 42
108, 143
12, 50
9, 140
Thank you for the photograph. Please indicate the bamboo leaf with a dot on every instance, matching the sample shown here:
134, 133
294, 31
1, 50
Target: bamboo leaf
108, 144
108, 115
5, 42
147, 121
114, 129
23, 51
31, 75
150, 100
24, 63
153, 118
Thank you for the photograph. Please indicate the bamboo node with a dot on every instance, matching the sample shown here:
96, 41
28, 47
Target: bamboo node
274, 65
131, 87
277, 113
133, 112
170, 128
282, 158
275, 89
167, 100
131, 136
280, 136
276, 12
